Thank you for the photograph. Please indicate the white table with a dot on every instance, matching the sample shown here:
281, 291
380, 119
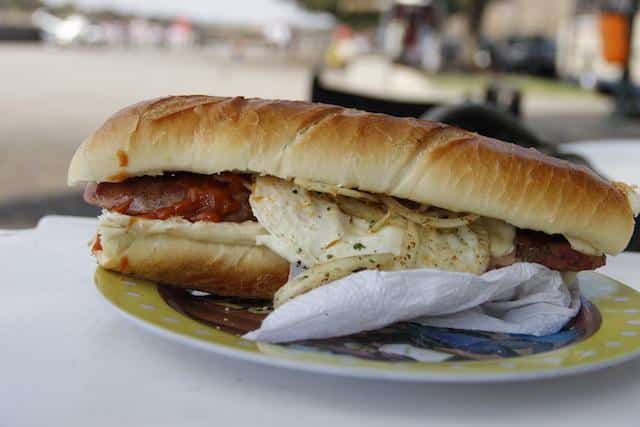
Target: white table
615, 158
67, 359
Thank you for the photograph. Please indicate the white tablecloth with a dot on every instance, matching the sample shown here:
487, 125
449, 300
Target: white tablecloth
617, 159
67, 359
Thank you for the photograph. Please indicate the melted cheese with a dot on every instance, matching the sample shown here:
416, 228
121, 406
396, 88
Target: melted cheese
501, 236
459, 249
633, 196
310, 228
582, 246
231, 233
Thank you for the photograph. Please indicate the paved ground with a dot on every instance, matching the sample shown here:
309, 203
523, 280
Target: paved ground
50, 99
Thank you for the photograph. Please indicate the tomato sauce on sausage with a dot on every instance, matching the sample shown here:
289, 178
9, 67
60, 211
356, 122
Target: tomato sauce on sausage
194, 197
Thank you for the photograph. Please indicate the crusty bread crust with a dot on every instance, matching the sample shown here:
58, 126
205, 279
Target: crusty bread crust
414, 159
165, 256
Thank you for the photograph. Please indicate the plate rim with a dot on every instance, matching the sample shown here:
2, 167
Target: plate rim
365, 372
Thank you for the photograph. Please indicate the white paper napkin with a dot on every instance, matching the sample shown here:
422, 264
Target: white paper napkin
523, 298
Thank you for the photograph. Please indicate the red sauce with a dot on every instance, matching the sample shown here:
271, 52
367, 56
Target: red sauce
97, 245
124, 263
123, 159
120, 176
215, 198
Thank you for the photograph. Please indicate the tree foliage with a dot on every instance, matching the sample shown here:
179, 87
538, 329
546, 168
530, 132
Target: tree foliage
330, 6
20, 4
474, 9
362, 19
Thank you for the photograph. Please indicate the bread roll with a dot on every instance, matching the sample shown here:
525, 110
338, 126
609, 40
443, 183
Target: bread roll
198, 256
414, 159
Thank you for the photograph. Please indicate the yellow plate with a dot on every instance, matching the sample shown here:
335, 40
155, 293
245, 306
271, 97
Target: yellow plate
498, 357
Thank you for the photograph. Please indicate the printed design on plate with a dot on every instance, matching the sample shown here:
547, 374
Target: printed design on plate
400, 342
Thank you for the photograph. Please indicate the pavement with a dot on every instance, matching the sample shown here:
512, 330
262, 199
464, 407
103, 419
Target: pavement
52, 98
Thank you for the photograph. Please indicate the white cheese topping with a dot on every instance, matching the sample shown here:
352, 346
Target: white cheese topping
633, 196
501, 235
232, 233
311, 228
582, 246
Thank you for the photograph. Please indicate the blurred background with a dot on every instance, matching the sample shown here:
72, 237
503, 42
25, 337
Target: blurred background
559, 75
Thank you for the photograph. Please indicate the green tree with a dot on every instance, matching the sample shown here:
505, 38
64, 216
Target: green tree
20, 4
360, 20
473, 9
320, 5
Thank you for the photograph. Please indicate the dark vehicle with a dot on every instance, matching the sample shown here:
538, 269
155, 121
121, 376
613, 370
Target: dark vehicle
16, 33
527, 54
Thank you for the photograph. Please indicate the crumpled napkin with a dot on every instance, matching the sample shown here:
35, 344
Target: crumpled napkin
523, 298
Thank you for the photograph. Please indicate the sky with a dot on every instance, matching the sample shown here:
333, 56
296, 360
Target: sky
227, 11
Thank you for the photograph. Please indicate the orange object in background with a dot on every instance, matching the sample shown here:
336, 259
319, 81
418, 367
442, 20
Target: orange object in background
614, 28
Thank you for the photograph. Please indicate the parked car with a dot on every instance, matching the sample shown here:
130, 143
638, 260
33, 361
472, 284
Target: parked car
527, 54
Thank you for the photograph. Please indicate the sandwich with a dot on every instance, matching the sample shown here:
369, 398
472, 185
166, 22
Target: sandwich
232, 195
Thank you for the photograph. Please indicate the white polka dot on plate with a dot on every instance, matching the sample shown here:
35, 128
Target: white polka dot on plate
552, 360
614, 344
629, 333
457, 366
587, 353
508, 365
170, 319
133, 294
633, 322
129, 283
621, 299
147, 307
632, 311
202, 332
